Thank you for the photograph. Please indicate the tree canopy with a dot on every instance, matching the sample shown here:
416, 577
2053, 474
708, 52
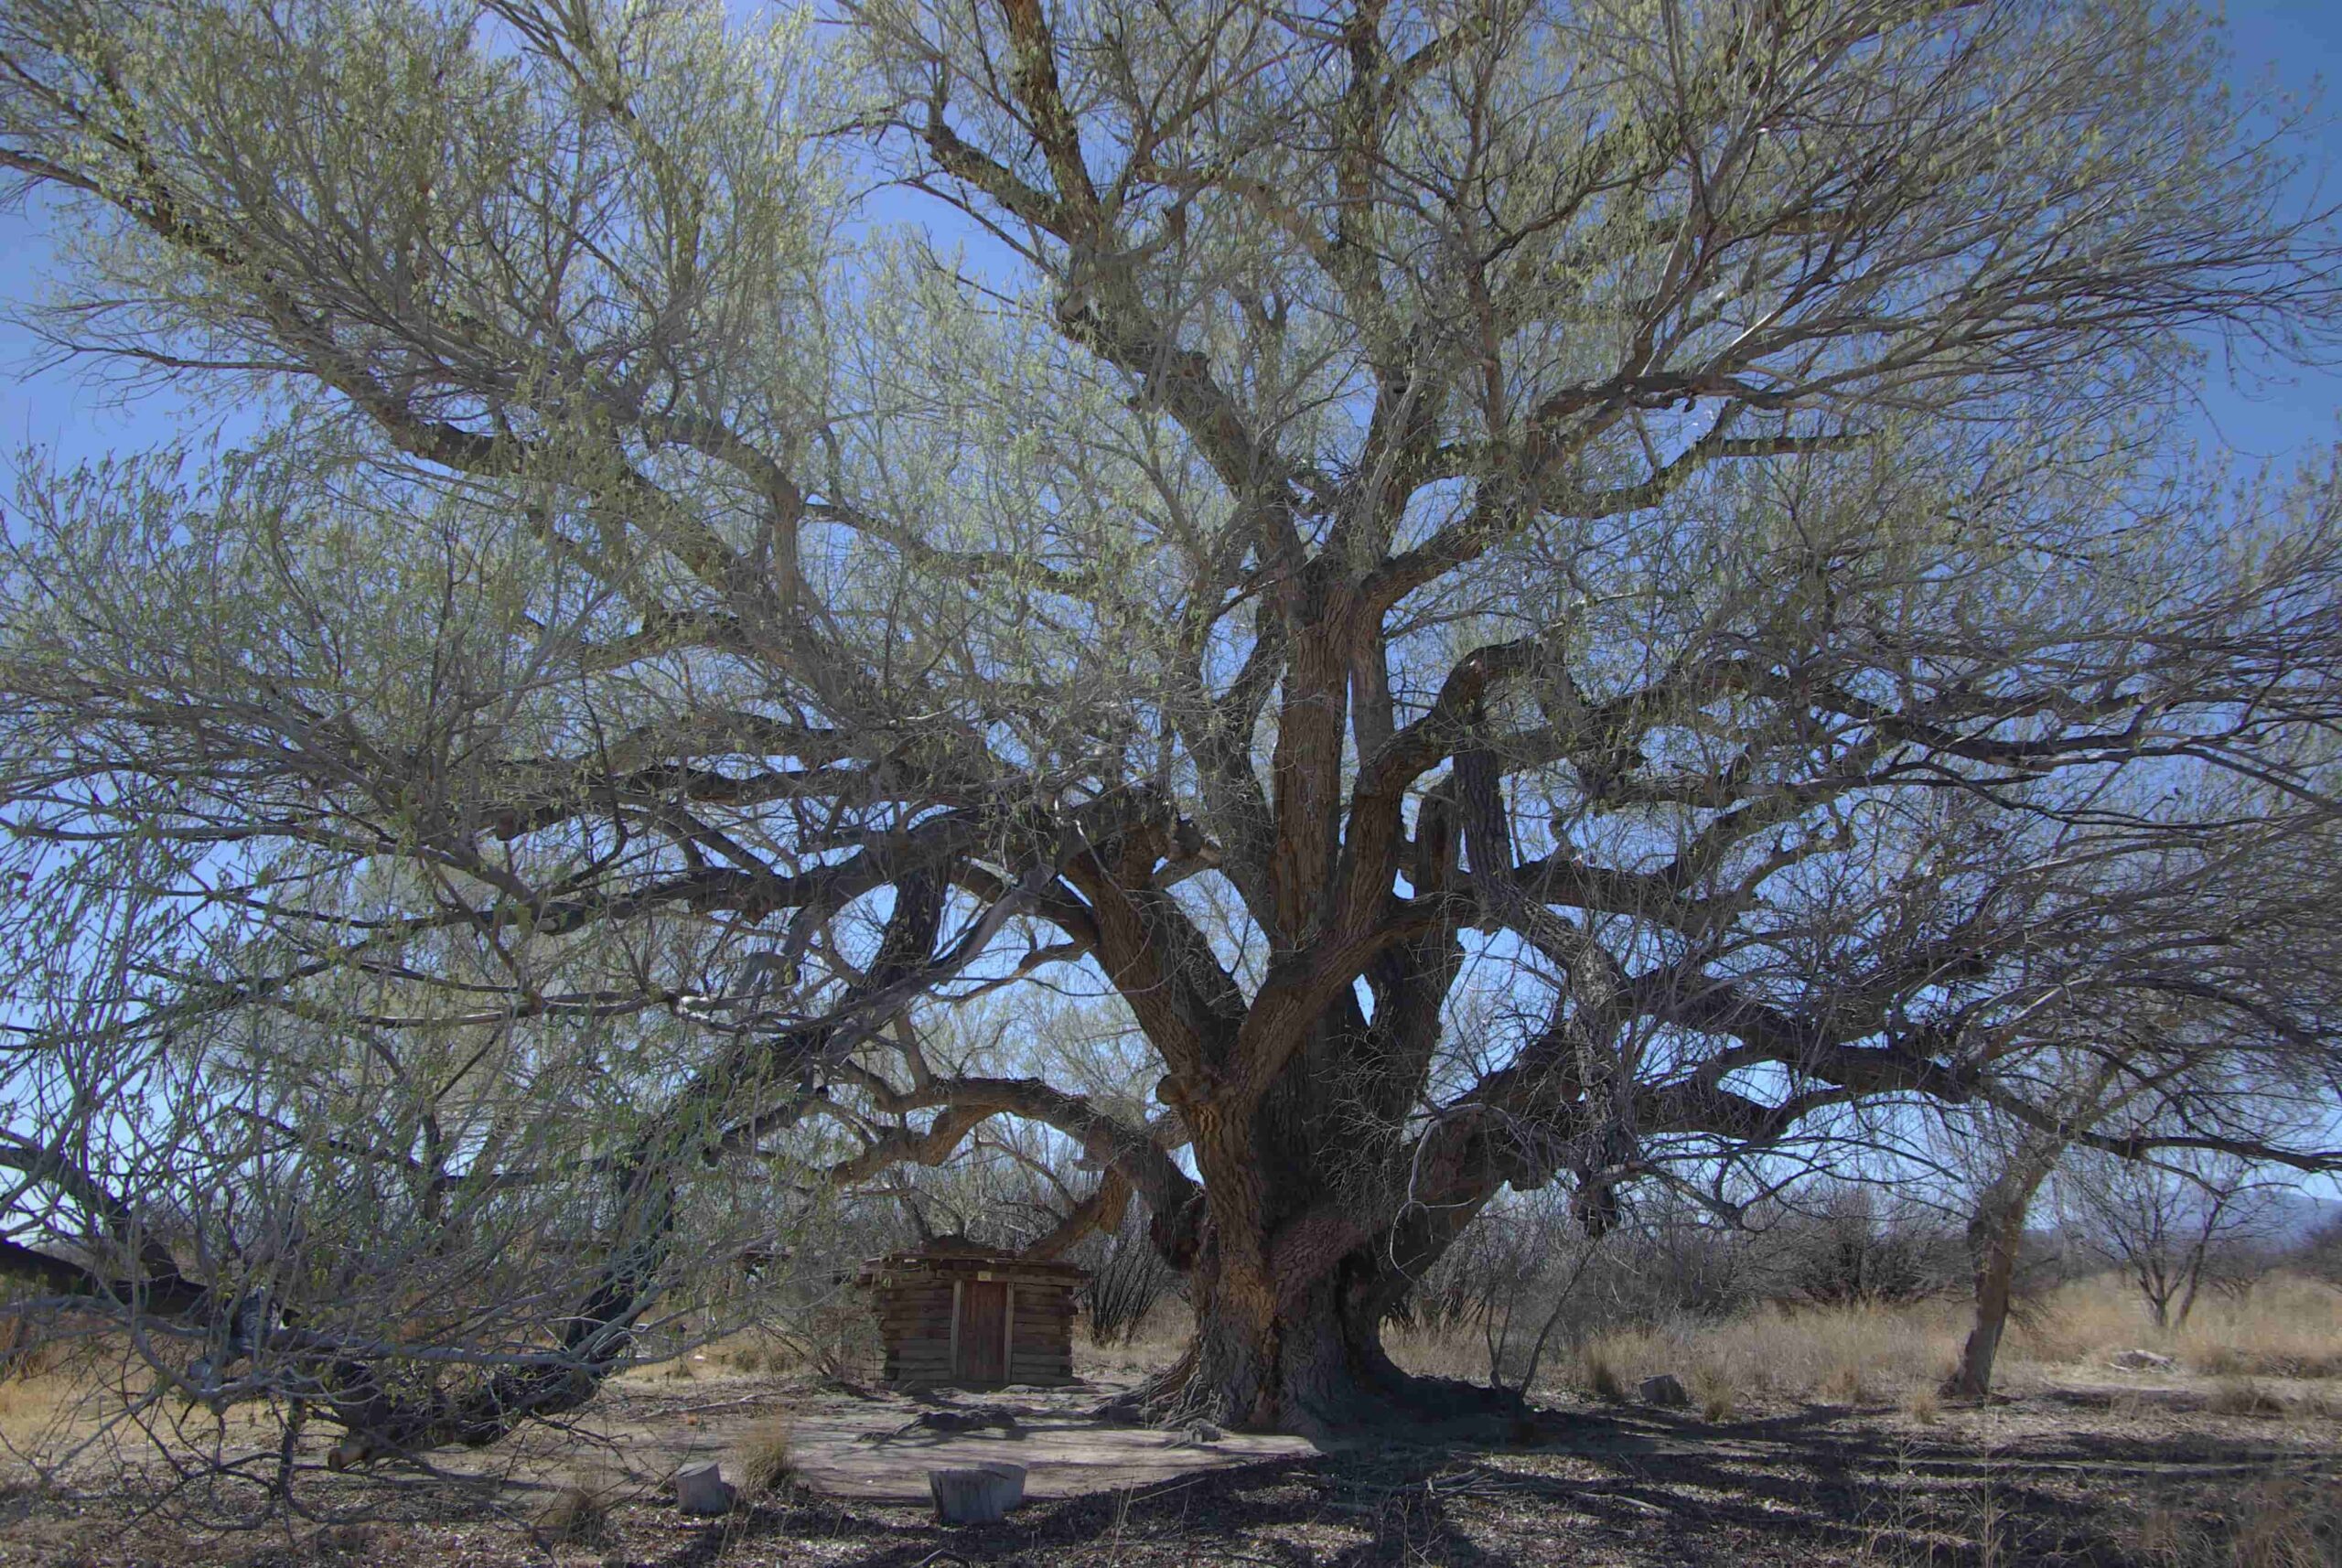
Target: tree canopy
1519, 591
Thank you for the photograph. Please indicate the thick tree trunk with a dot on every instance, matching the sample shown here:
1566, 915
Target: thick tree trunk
1313, 1372
1996, 1237
1309, 1362
1995, 1283
1316, 1215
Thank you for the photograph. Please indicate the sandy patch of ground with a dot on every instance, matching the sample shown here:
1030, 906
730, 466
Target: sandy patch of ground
879, 1449
2102, 1468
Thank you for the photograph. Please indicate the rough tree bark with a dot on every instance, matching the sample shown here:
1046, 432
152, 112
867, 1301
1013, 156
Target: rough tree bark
1996, 1238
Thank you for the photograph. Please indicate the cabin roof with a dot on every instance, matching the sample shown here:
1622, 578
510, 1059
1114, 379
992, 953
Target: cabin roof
957, 1257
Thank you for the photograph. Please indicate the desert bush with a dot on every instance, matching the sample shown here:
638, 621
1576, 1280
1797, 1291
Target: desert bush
1127, 1283
767, 1458
2173, 1228
1686, 1266
1601, 1379
2319, 1257
1712, 1390
1528, 1283
1852, 1247
1468, 1280
578, 1514
2243, 1396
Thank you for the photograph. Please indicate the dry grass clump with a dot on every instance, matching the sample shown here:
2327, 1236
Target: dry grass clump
2284, 1327
1434, 1353
579, 1514
1712, 1389
33, 1398
1846, 1385
1912, 1525
2242, 1396
767, 1460
1600, 1376
2284, 1521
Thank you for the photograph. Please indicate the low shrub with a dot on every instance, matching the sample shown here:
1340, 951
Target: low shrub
767, 1459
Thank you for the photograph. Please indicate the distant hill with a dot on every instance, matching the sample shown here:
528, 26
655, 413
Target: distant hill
2299, 1216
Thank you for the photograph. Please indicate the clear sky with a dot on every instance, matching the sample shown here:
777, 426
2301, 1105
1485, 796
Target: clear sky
2294, 44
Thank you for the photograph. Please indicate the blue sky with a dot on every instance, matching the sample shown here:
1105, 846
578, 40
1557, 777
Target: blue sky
2297, 46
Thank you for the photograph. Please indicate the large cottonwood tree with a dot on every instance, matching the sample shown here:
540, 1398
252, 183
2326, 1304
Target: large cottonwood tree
1542, 591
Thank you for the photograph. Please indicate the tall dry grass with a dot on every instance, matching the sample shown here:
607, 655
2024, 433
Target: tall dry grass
49, 1399
1844, 1355
2285, 1326
1157, 1343
2280, 1521
2284, 1520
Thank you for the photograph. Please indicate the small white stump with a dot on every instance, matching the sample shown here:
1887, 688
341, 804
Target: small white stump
979, 1496
701, 1489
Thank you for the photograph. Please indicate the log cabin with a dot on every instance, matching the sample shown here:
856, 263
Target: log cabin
953, 1312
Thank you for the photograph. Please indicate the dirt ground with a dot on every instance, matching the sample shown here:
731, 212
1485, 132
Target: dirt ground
2104, 1468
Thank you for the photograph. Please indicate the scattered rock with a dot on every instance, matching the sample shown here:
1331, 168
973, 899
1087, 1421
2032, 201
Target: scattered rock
979, 1496
701, 1489
1665, 1389
2143, 1361
1196, 1434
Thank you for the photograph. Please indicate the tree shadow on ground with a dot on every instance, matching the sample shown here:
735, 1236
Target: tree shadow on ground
1626, 1487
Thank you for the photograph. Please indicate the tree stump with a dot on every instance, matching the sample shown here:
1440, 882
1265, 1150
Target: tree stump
979, 1496
701, 1489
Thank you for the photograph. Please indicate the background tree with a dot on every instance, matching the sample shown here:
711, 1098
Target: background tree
2320, 1256
2126, 1036
1506, 581
2171, 1227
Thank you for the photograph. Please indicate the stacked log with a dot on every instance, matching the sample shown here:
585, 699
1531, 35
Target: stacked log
918, 1295
1041, 1345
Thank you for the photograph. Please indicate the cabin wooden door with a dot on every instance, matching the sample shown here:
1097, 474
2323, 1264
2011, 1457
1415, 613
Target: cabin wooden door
983, 1332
